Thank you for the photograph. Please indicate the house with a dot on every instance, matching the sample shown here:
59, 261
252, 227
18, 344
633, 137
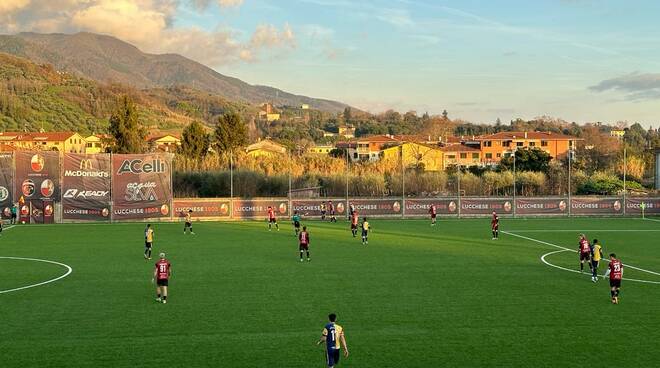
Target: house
617, 133
321, 149
415, 155
368, 148
164, 143
304, 107
97, 143
265, 148
69, 142
347, 131
460, 155
502, 144
268, 112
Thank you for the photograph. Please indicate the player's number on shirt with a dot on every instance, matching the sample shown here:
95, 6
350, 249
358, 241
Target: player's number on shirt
332, 332
617, 267
163, 268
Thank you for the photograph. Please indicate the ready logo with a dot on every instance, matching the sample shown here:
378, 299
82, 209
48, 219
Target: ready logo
139, 166
85, 194
139, 192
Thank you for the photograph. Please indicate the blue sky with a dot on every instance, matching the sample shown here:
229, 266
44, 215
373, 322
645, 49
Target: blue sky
480, 60
580, 60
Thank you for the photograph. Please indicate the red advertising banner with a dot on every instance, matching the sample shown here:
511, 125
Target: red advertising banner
377, 207
42, 212
651, 206
141, 186
202, 208
6, 185
86, 187
38, 174
596, 206
486, 206
420, 206
312, 208
541, 206
258, 208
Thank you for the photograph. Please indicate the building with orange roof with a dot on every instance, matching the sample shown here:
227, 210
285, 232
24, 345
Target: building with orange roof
460, 155
164, 142
69, 142
502, 144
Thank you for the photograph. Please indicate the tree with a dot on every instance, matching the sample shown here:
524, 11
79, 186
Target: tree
347, 115
194, 141
528, 160
129, 135
230, 132
445, 114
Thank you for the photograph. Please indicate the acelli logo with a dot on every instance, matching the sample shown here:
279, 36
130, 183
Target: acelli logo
138, 166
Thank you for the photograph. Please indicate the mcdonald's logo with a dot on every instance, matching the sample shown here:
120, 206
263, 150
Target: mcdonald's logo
86, 164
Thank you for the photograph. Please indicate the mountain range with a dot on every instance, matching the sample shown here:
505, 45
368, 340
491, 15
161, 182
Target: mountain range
107, 59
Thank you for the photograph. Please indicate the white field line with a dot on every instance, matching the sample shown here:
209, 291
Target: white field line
572, 250
68, 272
650, 219
576, 271
8, 227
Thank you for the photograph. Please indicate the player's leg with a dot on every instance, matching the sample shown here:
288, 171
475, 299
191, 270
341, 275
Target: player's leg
146, 251
190, 228
302, 251
277, 226
307, 251
497, 232
158, 294
270, 224
164, 293
581, 264
594, 270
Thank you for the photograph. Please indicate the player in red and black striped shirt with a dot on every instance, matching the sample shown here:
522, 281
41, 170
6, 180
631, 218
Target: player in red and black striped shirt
615, 271
433, 212
495, 226
303, 238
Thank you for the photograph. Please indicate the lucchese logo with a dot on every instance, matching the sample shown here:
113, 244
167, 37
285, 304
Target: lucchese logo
86, 170
138, 166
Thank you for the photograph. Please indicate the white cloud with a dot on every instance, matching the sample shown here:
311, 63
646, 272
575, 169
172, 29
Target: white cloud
149, 25
9, 6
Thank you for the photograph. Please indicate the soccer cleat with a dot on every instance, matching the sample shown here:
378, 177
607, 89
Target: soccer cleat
158, 300
192, 233
309, 259
164, 301
301, 259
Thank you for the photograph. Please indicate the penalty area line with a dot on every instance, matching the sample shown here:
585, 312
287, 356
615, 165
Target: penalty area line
572, 250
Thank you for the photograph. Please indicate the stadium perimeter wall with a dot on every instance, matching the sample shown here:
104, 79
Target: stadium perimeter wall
52, 187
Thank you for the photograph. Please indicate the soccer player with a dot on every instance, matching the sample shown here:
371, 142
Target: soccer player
14, 211
148, 241
296, 222
584, 250
333, 336
331, 208
188, 224
495, 226
596, 256
615, 272
433, 212
303, 237
271, 219
365, 231
162, 274
323, 211
351, 209
355, 219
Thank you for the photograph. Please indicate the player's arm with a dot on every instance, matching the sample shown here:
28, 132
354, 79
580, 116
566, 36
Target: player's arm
342, 339
324, 337
153, 278
607, 273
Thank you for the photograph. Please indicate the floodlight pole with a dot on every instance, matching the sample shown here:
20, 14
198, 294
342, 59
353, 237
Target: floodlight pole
514, 182
458, 187
231, 182
347, 173
570, 159
625, 172
403, 185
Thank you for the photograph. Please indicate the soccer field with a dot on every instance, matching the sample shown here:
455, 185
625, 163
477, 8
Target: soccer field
416, 296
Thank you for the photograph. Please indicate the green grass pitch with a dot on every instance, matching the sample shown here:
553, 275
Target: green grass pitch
416, 296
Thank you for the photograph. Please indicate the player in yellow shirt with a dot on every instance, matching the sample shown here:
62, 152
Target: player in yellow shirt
148, 241
333, 336
188, 224
596, 256
365, 231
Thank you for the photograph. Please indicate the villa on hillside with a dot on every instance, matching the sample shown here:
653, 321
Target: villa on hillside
68, 142
265, 148
164, 143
